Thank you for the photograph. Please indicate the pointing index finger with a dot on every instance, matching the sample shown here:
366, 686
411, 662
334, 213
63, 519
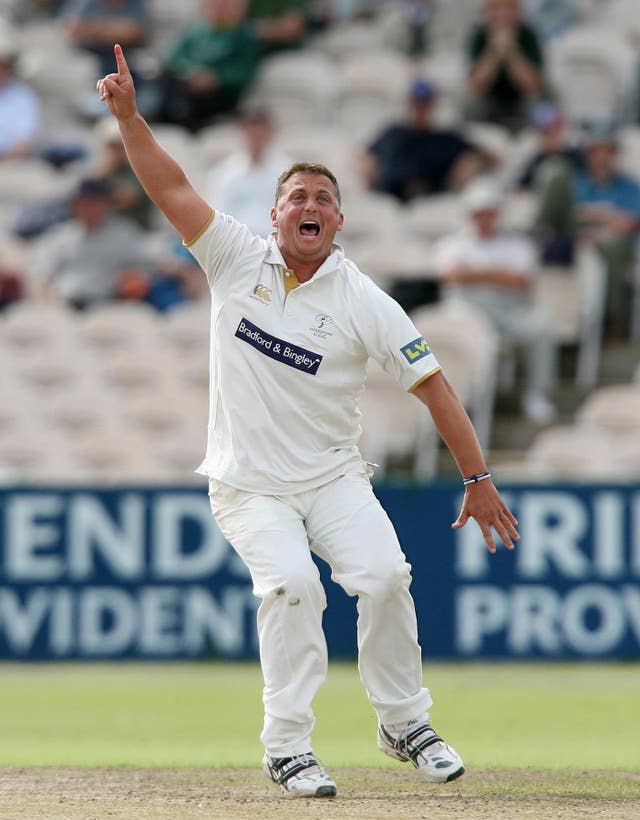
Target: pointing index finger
123, 68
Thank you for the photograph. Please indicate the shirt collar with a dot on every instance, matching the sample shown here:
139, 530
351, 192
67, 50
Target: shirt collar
331, 263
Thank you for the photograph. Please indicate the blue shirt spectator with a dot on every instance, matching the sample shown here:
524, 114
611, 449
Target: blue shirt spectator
19, 109
619, 191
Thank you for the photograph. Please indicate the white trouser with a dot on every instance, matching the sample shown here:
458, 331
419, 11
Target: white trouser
345, 525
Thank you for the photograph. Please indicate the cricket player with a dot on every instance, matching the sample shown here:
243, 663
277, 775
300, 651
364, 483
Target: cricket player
293, 323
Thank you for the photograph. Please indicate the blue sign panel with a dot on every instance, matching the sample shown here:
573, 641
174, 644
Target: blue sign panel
134, 573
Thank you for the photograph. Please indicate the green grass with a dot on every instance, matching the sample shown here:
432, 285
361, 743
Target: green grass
578, 716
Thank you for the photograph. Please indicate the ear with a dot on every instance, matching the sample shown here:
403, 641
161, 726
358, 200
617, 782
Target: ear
274, 219
340, 222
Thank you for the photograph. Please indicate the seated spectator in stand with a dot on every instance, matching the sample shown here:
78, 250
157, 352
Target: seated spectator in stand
19, 108
210, 66
80, 260
95, 25
555, 154
598, 204
128, 197
242, 184
415, 158
278, 24
177, 279
493, 270
505, 71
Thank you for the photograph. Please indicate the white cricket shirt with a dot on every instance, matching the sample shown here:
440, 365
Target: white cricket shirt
288, 363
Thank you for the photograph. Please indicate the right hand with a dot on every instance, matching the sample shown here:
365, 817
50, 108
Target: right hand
118, 90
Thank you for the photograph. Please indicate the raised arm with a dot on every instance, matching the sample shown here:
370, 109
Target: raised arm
481, 499
160, 175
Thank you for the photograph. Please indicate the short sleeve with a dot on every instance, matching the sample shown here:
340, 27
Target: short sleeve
221, 244
391, 338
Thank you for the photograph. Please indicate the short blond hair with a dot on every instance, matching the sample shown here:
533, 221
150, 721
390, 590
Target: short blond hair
306, 168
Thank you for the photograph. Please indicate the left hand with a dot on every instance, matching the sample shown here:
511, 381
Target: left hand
483, 502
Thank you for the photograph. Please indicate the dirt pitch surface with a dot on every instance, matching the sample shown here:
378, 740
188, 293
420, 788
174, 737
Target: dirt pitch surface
239, 794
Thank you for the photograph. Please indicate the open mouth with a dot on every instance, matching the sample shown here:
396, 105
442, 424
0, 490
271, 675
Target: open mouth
309, 228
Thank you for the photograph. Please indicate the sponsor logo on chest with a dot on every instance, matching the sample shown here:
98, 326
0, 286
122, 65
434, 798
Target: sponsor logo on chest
322, 325
278, 349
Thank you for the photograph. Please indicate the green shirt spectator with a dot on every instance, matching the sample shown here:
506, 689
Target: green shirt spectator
279, 24
210, 66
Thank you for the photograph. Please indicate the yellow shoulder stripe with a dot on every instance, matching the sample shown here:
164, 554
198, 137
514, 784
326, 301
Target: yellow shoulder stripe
423, 379
201, 231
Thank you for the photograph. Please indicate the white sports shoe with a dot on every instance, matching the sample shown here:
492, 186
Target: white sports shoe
416, 741
300, 775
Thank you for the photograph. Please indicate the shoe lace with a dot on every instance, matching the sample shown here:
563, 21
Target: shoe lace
414, 740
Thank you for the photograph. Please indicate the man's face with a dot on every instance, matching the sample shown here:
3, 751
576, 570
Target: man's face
224, 12
502, 13
421, 112
601, 159
91, 211
307, 217
486, 222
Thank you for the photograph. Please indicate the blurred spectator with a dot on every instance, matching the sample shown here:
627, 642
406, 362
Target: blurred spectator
128, 197
211, 64
555, 154
243, 184
80, 261
95, 25
494, 270
506, 62
553, 142
418, 15
177, 279
278, 24
415, 158
19, 107
601, 205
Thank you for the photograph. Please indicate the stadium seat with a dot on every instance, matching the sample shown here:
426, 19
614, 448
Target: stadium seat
433, 217
574, 452
372, 92
467, 347
26, 180
593, 71
613, 408
28, 325
178, 456
348, 39
328, 144
575, 302
216, 142
370, 216
187, 328
400, 259
396, 427
120, 326
297, 87
136, 373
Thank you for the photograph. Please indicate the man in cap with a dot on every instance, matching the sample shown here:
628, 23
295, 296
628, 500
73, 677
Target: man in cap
415, 158
599, 204
493, 270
